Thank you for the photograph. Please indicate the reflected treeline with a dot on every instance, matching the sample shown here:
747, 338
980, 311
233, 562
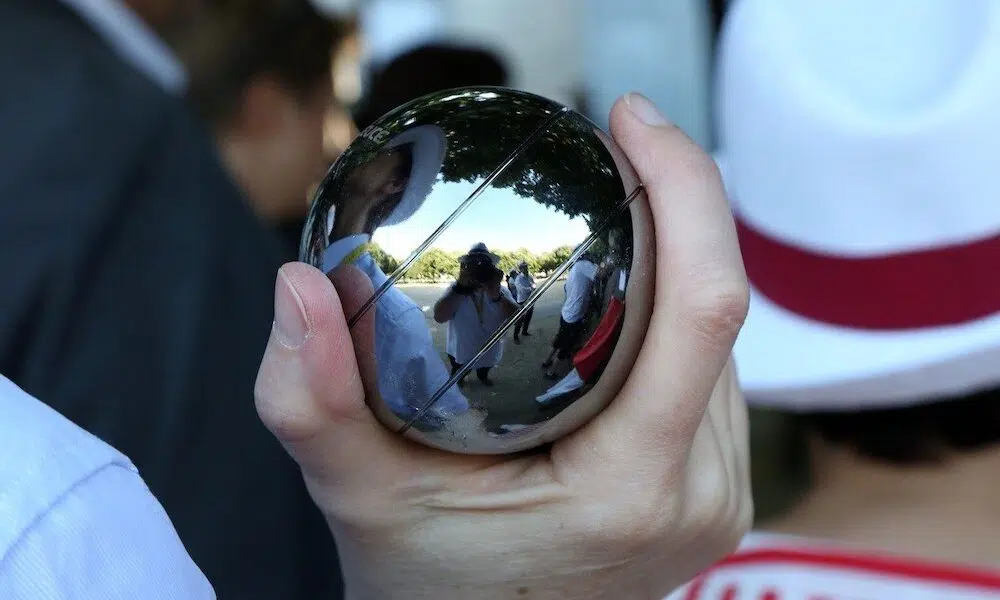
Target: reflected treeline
437, 264
567, 168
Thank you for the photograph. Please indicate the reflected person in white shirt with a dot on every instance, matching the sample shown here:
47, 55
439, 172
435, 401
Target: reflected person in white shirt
475, 307
524, 283
579, 284
386, 191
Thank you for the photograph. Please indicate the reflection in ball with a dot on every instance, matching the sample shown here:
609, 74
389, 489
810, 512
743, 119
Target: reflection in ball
510, 250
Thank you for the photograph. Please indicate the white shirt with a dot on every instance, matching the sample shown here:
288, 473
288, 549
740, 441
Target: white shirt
579, 283
525, 284
789, 568
409, 368
471, 328
76, 520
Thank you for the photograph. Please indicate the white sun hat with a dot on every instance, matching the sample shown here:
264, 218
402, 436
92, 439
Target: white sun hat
860, 145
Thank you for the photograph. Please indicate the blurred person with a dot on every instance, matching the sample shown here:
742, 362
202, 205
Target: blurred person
271, 104
77, 521
524, 285
572, 322
865, 209
426, 69
138, 284
475, 306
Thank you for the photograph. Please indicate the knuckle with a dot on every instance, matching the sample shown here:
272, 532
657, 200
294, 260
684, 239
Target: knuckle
714, 503
693, 166
718, 311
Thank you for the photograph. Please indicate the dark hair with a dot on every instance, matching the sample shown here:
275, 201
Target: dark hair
424, 70
925, 433
238, 40
380, 213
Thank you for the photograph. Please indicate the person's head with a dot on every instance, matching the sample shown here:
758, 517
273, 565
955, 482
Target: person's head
523, 267
425, 70
876, 314
373, 191
261, 75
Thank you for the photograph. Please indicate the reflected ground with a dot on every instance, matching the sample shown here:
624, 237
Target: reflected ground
520, 374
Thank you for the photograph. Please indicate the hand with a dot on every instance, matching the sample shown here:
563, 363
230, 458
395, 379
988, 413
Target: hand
492, 287
630, 506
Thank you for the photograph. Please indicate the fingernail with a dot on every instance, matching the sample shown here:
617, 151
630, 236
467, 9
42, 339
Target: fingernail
291, 327
645, 110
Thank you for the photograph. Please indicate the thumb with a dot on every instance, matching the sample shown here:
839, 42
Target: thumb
309, 391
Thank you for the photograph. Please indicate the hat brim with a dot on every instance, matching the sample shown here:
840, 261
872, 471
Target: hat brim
430, 145
790, 362
493, 257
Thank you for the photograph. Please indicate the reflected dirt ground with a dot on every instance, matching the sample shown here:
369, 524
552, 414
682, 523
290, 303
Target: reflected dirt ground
520, 373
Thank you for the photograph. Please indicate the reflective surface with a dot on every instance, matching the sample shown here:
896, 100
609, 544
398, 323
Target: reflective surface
508, 247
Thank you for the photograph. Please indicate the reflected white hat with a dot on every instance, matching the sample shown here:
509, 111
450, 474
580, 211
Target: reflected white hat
860, 145
429, 147
480, 249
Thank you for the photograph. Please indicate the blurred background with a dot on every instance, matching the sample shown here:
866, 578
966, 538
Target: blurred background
582, 53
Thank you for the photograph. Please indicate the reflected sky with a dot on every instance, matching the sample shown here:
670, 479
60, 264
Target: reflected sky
491, 219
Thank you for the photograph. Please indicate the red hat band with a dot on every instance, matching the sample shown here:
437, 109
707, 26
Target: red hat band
949, 285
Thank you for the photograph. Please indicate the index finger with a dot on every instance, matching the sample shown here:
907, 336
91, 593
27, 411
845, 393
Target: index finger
700, 297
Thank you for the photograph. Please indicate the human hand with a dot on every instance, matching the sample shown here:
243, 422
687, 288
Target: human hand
492, 286
631, 505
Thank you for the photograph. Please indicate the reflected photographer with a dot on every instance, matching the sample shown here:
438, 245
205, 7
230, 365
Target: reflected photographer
475, 307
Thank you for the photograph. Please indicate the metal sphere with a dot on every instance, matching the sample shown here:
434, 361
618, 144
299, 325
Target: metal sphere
509, 248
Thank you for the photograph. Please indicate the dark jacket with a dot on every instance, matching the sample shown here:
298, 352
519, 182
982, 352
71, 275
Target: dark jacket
136, 298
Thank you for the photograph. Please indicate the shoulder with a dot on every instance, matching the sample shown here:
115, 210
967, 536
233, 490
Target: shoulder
793, 568
42, 456
71, 500
399, 308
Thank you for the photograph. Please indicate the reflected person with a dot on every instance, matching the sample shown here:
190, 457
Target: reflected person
572, 324
475, 307
511, 277
386, 191
524, 286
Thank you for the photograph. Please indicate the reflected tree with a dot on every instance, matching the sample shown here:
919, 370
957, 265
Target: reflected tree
509, 261
432, 265
567, 167
383, 259
551, 260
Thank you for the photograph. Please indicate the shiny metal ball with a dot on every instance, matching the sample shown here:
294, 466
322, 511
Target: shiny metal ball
509, 250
